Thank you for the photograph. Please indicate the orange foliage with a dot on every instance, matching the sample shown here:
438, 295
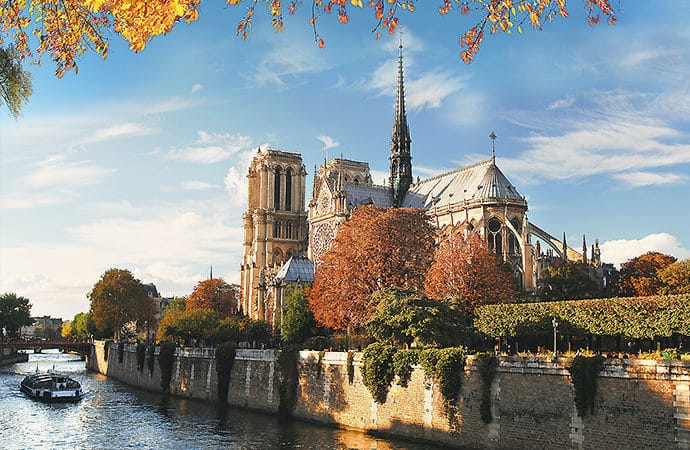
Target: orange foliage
375, 249
66, 29
214, 294
466, 271
640, 276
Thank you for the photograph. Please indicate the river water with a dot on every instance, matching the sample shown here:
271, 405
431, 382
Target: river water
116, 416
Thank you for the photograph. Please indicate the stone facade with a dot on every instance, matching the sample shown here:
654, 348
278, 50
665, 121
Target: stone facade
639, 403
275, 226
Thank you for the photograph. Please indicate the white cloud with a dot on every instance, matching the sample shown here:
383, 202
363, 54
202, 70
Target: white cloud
236, 185
328, 142
562, 103
67, 174
118, 131
621, 250
197, 185
289, 58
212, 148
196, 88
620, 134
639, 179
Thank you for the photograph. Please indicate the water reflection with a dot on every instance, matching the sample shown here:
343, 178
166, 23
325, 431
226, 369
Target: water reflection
114, 416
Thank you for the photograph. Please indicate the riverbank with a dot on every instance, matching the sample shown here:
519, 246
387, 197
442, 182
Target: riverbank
639, 403
10, 356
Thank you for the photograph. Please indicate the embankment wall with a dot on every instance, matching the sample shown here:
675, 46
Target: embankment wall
639, 403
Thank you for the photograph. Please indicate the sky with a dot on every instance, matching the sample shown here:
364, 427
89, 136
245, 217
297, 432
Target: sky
139, 162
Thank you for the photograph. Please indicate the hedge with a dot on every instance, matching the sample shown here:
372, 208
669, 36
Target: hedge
632, 317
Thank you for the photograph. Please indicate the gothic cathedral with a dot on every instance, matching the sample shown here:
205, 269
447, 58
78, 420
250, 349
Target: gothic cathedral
476, 198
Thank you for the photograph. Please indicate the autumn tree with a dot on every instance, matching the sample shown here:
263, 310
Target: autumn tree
676, 278
118, 299
66, 329
69, 28
214, 294
468, 273
375, 249
404, 316
567, 281
15, 312
640, 276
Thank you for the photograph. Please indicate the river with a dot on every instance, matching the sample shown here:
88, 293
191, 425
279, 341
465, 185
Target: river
116, 416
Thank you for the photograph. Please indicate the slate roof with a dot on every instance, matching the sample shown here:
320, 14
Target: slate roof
368, 194
483, 180
297, 268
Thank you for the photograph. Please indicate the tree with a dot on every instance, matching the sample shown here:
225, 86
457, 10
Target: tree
404, 316
676, 278
375, 249
568, 281
66, 330
83, 326
15, 312
640, 276
15, 82
467, 272
298, 320
68, 28
117, 299
214, 294
192, 324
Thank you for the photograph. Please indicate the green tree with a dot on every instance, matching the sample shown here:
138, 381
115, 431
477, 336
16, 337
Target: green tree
640, 276
193, 324
83, 326
118, 299
676, 278
568, 281
406, 316
15, 312
15, 82
298, 319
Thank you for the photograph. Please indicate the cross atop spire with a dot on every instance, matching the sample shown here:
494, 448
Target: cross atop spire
493, 137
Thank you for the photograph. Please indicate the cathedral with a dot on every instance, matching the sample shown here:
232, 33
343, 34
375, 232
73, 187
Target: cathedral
283, 242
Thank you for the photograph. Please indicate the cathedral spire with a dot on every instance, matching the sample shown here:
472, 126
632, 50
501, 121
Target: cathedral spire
401, 159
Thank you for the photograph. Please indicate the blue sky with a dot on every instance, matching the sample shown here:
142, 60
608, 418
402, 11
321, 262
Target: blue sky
139, 161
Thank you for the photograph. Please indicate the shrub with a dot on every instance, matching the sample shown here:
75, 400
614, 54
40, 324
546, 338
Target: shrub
350, 367
317, 343
120, 351
377, 370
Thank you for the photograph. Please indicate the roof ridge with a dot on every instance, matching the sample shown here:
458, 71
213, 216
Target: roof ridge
459, 169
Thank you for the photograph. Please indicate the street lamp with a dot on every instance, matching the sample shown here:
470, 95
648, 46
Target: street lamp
554, 322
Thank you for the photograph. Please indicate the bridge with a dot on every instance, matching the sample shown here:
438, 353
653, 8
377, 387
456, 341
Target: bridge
81, 346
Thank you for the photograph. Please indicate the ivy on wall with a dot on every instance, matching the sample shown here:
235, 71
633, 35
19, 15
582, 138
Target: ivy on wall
288, 379
377, 370
584, 372
225, 360
403, 360
106, 349
141, 355
120, 351
487, 365
151, 357
166, 358
350, 367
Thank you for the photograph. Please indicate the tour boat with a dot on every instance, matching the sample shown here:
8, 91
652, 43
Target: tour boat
51, 387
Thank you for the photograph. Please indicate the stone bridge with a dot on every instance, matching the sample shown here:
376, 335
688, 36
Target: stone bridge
81, 346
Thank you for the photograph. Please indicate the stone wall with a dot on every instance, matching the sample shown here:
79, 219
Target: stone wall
639, 403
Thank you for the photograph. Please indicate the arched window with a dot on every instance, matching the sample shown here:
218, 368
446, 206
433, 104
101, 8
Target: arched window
513, 244
276, 189
288, 190
495, 237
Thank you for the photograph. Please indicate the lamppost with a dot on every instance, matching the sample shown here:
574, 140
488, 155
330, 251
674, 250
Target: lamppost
554, 322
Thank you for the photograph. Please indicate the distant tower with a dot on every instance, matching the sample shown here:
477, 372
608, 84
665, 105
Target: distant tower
584, 250
565, 249
210, 273
401, 159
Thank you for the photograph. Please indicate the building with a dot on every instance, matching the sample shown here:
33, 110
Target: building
476, 198
45, 327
